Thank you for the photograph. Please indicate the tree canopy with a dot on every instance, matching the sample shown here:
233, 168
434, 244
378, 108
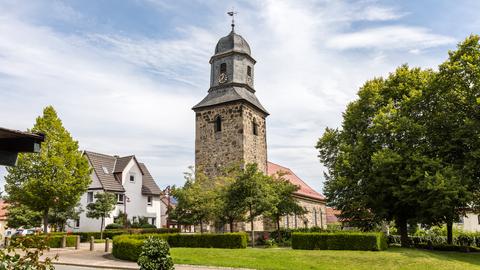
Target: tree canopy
103, 205
54, 178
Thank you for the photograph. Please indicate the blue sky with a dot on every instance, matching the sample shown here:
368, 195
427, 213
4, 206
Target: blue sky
123, 75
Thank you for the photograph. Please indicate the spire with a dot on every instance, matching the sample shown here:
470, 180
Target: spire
232, 14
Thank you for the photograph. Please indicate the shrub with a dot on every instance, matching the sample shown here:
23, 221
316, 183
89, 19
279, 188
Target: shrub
339, 241
85, 236
155, 255
128, 247
52, 240
445, 247
114, 226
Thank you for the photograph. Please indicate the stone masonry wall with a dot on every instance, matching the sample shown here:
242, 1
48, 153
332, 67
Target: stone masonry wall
255, 146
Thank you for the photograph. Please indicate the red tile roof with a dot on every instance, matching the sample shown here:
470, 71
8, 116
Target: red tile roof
332, 215
304, 191
3, 210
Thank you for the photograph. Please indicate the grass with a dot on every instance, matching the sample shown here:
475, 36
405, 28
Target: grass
283, 258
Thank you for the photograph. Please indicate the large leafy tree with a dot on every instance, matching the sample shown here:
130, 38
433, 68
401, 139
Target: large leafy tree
196, 200
21, 216
54, 178
101, 208
253, 193
453, 121
285, 203
374, 160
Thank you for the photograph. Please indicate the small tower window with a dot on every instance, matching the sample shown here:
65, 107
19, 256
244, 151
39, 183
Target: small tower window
249, 71
223, 68
254, 127
218, 124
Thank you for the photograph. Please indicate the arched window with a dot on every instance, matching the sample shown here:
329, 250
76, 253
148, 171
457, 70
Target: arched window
223, 68
249, 71
254, 127
218, 124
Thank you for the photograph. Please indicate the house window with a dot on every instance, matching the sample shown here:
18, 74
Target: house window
223, 68
149, 200
132, 178
120, 198
254, 127
218, 124
153, 221
134, 219
77, 223
460, 220
249, 71
89, 197
105, 170
478, 217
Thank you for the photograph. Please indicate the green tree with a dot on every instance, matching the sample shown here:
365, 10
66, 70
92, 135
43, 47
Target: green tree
376, 162
103, 205
453, 121
59, 217
21, 216
286, 204
196, 200
54, 178
252, 192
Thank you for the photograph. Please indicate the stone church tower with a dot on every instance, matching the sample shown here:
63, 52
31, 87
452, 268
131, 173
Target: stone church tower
230, 123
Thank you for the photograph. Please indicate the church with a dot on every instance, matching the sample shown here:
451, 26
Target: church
230, 128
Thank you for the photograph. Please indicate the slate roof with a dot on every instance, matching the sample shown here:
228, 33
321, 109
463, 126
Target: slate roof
230, 94
149, 187
232, 42
304, 191
107, 180
112, 181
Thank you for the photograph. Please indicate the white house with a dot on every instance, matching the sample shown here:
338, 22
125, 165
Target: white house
470, 222
137, 193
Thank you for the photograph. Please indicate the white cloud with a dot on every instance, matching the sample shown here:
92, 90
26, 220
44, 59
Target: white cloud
389, 38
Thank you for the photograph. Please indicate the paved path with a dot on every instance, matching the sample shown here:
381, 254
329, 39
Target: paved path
83, 259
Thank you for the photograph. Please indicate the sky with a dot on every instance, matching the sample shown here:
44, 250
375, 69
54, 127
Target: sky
124, 75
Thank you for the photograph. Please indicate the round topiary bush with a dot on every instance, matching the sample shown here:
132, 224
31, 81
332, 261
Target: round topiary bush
155, 255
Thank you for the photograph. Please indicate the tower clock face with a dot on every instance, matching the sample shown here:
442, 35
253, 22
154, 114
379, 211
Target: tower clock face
222, 78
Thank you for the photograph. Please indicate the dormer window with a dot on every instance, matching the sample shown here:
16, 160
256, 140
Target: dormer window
105, 170
218, 124
254, 127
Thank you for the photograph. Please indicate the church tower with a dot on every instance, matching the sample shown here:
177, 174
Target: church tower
230, 123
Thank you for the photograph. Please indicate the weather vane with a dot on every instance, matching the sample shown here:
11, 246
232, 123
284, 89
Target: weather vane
232, 13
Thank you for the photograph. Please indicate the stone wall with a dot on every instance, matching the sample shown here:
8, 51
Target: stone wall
234, 144
315, 217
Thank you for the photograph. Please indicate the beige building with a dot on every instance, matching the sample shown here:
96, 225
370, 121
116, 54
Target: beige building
470, 222
230, 128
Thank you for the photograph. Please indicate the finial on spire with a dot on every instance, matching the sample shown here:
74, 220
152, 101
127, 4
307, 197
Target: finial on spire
232, 14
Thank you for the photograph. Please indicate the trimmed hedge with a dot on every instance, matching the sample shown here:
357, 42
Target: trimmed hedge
85, 236
128, 247
339, 241
55, 241
444, 247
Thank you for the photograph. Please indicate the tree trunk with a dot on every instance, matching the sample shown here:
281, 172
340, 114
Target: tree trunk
278, 230
402, 229
231, 225
201, 226
251, 228
101, 228
45, 221
449, 231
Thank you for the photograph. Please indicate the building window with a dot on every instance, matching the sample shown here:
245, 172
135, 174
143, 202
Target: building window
149, 200
77, 223
89, 197
105, 170
254, 127
249, 71
460, 220
132, 178
478, 217
218, 124
153, 221
223, 68
120, 198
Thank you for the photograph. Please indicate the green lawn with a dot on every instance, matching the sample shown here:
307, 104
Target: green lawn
288, 259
